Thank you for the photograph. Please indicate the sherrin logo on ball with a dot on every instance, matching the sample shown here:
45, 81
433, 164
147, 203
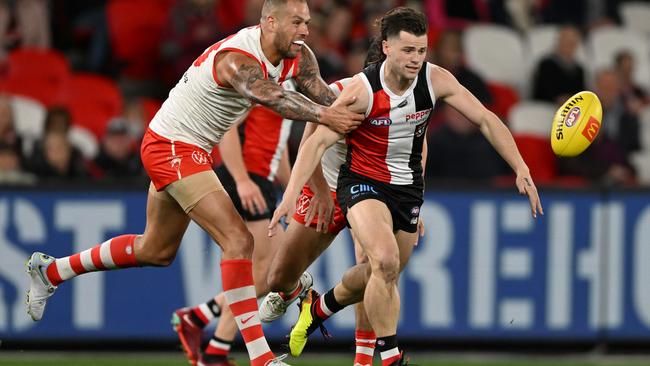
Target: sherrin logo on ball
576, 124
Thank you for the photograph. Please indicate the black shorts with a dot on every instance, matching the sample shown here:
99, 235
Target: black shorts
267, 188
403, 201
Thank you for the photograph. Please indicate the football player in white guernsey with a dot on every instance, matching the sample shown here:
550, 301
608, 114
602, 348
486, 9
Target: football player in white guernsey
381, 174
216, 91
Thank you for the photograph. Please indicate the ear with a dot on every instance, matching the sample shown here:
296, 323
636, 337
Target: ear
272, 22
385, 47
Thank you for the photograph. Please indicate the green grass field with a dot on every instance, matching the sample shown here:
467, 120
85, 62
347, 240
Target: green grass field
173, 359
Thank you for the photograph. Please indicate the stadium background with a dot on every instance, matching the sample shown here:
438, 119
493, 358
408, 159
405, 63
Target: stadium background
485, 276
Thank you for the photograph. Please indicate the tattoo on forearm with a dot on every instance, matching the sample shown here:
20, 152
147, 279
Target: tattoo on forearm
249, 80
310, 83
528, 182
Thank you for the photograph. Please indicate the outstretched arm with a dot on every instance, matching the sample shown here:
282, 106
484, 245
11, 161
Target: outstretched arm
245, 75
447, 87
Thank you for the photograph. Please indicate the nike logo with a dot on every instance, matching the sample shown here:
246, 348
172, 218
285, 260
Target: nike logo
46, 282
188, 320
244, 321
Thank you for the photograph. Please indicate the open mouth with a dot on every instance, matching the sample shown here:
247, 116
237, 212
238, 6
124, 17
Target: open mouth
299, 43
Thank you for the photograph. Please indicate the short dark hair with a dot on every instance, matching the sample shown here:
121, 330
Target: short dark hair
270, 4
403, 19
391, 24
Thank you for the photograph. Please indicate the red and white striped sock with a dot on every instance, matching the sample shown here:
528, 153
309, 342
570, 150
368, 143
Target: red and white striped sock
111, 254
218, 347
237, 281
365, 347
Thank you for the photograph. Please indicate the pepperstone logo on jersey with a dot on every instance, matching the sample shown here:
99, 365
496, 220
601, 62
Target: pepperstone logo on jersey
418, 117
381, 122
200, 157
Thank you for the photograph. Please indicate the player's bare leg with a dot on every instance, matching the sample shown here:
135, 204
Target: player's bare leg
364, 336
216, 214
354, 282
166, 224
286, 266
372, 227
285, 276
219, 347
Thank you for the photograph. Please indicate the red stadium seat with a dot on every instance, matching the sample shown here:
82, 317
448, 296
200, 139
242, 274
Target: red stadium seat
93, 100
37, 73
46, 65
135, 29
539, 157
504, 98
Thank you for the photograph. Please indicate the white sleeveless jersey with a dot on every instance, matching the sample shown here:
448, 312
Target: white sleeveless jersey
335, 155
199, 110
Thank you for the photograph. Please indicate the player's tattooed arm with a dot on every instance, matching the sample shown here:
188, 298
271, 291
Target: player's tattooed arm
309, 81
248, 79
246, 76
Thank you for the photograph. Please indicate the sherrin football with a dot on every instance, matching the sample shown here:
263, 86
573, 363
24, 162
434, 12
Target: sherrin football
576, 124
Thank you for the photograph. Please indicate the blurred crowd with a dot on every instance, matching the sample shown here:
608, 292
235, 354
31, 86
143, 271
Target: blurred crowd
144, 52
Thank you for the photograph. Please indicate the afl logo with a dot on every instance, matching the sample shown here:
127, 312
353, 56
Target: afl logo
200, 157
381, 121
415, 211
572, 117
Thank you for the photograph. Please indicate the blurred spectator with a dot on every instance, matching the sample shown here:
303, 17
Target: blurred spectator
449, 55
458, 151
607, 159
565, 12
560, 75
634, 96
193, 26
58, 119
90, 31
8, 134
55, 157
118, 156
134, 118
456, 14
24, 23
10, 170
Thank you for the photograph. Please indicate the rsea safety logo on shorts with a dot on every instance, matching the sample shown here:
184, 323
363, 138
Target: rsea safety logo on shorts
381, 121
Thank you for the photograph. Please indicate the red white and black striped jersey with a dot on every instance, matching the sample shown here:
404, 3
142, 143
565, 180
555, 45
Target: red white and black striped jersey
265, 138
387, 146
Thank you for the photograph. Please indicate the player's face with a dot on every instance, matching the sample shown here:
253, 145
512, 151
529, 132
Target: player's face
405, 54
292, 29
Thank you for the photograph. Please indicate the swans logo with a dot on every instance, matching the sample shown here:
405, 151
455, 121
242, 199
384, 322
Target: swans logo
303, 205
201, 157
